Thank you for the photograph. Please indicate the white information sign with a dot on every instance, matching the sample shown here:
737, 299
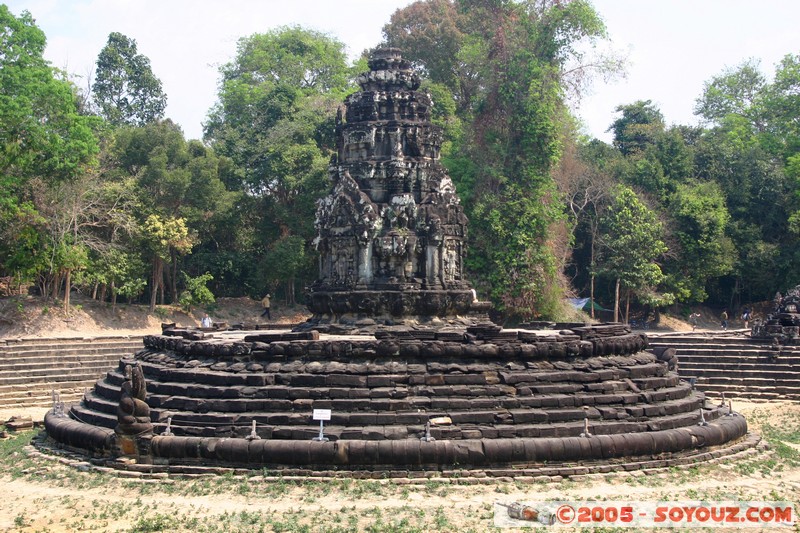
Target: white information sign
321, 414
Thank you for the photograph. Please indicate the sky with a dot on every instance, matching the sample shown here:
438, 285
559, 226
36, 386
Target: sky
673, 47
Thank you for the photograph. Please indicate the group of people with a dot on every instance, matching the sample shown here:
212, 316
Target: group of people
746, 316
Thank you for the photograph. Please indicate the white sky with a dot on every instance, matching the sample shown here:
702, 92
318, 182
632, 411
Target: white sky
673, 46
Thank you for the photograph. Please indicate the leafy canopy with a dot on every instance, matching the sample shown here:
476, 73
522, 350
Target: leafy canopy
125, 88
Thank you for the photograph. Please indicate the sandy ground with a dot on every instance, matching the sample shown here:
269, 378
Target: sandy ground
28, 316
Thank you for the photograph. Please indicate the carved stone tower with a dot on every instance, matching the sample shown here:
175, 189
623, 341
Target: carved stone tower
391, 234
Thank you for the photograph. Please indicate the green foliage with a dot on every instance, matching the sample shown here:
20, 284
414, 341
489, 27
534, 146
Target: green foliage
125, 88
632, 241
41, 133
503, 65
45, 146
196, 293
637, 127
164, 234
275, 121
706, 252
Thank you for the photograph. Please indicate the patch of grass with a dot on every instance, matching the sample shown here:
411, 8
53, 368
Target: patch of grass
158, 522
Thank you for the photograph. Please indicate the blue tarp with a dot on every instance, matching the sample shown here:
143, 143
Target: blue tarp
578, 303
583, 303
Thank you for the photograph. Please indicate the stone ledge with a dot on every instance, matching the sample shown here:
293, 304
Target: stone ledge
750, 445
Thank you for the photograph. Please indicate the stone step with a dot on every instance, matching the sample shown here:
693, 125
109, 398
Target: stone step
669, 388
733, 359
68, 351
485, 410
41, 396
9, 346
748, 382
777, 374
54, 375
710, 345
110, 360
718, 337
374, 427
9, 390
750, 393
723, 352
56, 341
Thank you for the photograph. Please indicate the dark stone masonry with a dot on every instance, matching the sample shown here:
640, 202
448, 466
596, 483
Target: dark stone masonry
429, 386
489, 398
391, 234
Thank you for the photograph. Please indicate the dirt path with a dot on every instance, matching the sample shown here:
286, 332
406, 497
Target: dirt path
43, 495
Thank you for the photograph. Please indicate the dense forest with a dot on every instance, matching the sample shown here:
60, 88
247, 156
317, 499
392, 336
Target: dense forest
99, 192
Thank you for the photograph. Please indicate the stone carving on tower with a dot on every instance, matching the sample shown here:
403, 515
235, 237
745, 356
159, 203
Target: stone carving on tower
392, 232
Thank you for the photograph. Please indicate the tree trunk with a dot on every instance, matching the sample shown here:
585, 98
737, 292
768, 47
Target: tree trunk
94, 290
103, 289
67, 282
627, 306
44, 288
56, 286
113, 297
158, 281
616, 301
591, 277
174, 285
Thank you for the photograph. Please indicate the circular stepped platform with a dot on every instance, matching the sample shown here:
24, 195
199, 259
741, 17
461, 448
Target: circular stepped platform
405, 400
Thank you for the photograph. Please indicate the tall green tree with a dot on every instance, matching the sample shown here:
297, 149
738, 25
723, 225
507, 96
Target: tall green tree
125, 88
745, 152
505, 64
275, 121
179, 191
700, 228
44, 145
632, 240
638, 126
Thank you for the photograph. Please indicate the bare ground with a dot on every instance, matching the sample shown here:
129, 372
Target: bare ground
30, 316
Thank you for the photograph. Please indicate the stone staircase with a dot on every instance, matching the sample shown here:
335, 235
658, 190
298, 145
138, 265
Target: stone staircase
735, 364
30, 369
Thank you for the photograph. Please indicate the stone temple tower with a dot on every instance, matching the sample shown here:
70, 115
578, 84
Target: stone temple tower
391, 234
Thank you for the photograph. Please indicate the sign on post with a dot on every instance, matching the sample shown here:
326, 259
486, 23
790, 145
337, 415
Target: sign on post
321, 415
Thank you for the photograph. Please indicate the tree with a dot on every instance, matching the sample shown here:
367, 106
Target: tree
585, 178
637, 127
736, 91
125, 88
275, 120
632, 241
166, 238
509, 66
748, 152
45, 145
196, 292
172, 179
434, 35
706, 252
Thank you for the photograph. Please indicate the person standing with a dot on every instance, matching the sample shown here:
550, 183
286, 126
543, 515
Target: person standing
205, 322
724, 319
746, 317
265, 306
693, 320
